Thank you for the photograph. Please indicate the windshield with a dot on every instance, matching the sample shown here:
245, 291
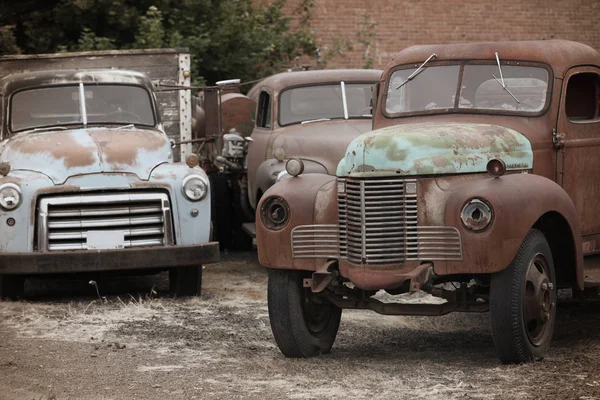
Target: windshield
436, 87
311, 103
74, 105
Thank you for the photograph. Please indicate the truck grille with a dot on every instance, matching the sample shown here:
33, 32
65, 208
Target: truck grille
65, 222
378, 224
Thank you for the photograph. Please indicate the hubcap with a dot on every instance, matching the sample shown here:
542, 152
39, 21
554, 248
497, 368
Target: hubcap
539, 299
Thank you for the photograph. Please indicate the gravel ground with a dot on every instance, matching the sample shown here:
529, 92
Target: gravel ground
130, 340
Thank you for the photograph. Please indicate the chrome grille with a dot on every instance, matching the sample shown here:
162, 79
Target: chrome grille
378, 225
65, 222
315, 241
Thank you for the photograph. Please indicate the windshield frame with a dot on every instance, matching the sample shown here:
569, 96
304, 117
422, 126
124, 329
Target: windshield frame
458, 110
346, 82
70, 125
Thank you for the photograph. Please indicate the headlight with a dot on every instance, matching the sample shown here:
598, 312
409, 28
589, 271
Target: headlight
275, 213
477, 215
294, 167
195, 187
10, 196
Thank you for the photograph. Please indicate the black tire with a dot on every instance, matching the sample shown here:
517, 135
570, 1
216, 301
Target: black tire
185, 281
221, 211
12, 287
523, 303
304, 324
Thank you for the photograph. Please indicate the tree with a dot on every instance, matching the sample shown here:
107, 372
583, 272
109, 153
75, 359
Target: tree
226, 38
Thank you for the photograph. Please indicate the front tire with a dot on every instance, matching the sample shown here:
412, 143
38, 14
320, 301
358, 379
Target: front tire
304, 323
12, 287
185, 281
523, 303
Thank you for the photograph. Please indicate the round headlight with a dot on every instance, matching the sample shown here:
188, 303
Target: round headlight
195, 187
294, 167
477, 215
10, 196
275, 213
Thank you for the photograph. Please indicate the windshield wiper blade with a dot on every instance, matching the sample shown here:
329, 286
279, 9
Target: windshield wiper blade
47, 128
315, 120
417, 72
501, 82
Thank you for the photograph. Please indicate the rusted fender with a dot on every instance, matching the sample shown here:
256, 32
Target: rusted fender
311, 199
66, 153
266, 174
519, 201
434, 148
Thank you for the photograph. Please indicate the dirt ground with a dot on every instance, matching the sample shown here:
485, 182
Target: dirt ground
65, 342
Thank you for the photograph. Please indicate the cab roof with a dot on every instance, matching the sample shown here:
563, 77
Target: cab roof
26, 80
560, 55
286, 79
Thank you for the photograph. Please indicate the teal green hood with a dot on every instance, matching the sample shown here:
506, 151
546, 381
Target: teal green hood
434, 148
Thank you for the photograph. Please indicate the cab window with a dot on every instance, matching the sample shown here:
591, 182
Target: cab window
583, 97
263, 117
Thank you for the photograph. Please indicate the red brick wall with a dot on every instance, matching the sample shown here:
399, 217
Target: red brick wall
404, 23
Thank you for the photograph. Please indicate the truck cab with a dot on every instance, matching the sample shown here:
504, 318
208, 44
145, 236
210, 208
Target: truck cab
88, 183
477, 185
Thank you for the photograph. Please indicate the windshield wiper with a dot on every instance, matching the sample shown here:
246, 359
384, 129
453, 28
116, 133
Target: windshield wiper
315, 120
501, 82
417, 72
47, 128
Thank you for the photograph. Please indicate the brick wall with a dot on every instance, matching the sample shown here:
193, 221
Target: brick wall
402, 23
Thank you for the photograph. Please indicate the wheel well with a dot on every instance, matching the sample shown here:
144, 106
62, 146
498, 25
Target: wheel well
558, 233
259, 194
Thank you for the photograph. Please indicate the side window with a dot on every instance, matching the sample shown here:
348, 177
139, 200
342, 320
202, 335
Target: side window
263, 117
583, 97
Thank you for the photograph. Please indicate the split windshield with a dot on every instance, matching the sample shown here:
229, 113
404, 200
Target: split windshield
436, 88
324, 102
60, 106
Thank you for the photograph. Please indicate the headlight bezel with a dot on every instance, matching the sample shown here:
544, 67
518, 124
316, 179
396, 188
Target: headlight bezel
483, 221
15, 187
186, 181
268, 207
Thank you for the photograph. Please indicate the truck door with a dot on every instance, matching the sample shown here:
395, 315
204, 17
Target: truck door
260, 136
579, 122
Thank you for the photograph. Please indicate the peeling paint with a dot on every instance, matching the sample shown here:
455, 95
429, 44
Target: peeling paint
66, 153
434, 148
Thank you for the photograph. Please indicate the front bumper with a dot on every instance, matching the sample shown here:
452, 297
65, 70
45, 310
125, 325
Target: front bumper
108, 260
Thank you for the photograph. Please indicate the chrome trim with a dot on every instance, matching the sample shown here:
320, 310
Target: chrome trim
189, 178
315, 241
112, 211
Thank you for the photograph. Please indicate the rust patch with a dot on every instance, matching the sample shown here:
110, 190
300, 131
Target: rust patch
121, 147
59, 144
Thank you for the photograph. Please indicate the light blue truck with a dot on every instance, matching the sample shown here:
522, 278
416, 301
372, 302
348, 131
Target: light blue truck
88, 178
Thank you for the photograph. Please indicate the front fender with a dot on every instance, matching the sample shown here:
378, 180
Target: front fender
519, 201
312, 200
266, 176
189, 230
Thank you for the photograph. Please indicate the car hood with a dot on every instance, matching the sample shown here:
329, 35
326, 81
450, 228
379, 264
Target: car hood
323, 141
434, 148
66, 153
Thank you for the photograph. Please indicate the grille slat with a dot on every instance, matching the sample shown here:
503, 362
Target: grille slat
378, 221
64, 222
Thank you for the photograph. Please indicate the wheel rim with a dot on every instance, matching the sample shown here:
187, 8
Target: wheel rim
317, 312
538, 300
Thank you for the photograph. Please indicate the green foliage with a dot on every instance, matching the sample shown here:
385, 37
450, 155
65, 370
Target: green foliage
8, 42
226, 38
366, 36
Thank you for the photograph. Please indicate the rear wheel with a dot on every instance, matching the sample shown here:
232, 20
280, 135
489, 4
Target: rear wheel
185, 281
523, 302
12, 287
304, 323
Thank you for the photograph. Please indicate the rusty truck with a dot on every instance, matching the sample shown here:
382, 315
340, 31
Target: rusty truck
89, 181
477, 187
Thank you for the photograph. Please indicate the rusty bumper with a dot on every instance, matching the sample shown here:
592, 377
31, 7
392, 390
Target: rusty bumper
108, 260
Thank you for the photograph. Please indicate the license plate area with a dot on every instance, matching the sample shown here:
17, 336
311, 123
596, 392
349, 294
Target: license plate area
105, 240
